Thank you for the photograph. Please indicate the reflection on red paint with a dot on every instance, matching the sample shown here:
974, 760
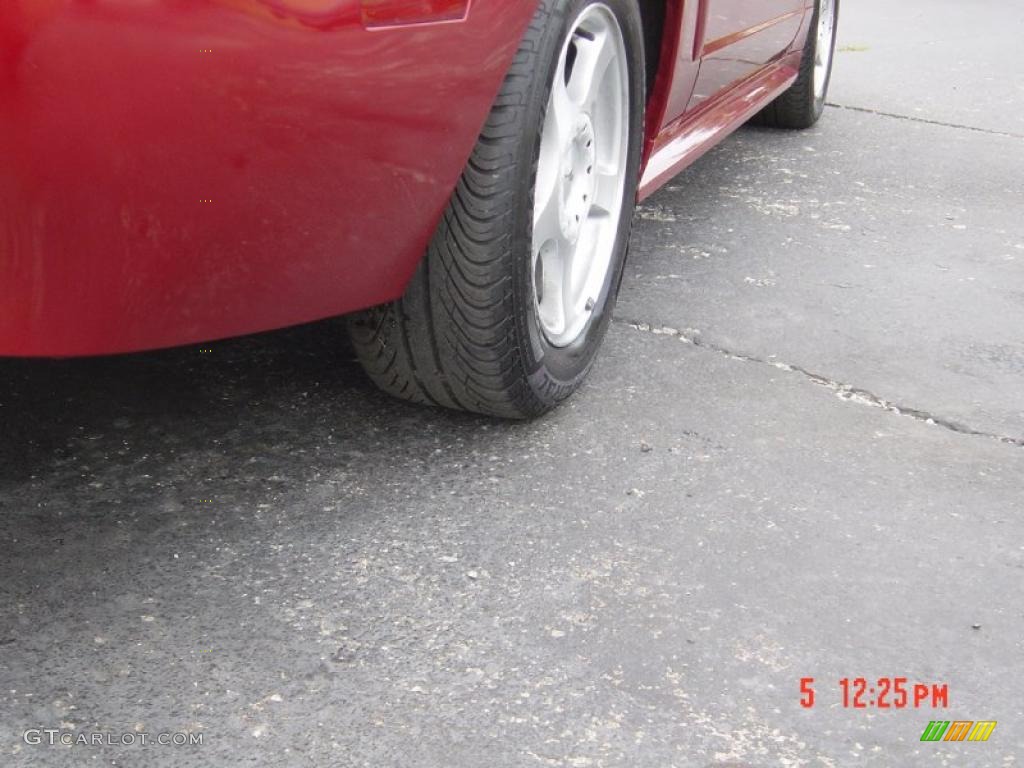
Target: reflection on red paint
381, 13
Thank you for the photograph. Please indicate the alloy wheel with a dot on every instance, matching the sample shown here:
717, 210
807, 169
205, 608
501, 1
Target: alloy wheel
580, 175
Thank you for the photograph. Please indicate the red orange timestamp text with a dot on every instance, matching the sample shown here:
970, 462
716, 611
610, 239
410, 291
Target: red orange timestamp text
880, 693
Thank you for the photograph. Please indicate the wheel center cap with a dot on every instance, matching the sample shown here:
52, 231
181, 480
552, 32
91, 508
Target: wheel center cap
578, 175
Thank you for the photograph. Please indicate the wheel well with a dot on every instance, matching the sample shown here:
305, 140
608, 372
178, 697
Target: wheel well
652, 14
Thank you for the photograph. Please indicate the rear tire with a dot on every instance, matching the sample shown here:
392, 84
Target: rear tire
477, 328
801, 105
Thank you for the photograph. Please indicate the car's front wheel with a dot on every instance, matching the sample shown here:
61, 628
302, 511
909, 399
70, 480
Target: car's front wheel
508, 308
800, 105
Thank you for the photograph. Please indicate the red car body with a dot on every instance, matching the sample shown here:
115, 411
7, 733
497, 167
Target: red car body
174, 171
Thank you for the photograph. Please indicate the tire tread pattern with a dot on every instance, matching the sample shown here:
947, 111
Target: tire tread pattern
451, 340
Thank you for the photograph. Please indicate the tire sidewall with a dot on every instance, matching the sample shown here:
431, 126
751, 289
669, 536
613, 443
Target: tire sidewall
554, 372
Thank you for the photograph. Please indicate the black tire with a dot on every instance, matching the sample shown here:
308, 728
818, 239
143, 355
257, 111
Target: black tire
465, 334
798, 106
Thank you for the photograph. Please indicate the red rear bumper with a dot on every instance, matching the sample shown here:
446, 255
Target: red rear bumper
181, 170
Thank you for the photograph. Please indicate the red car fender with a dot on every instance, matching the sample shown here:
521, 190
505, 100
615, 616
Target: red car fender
184, 170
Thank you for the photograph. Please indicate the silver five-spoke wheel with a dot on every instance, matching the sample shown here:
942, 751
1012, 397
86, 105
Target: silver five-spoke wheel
580, 175
823, 50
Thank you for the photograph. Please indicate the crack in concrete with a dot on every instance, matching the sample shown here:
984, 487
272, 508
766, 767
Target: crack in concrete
928, 121
843, 391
